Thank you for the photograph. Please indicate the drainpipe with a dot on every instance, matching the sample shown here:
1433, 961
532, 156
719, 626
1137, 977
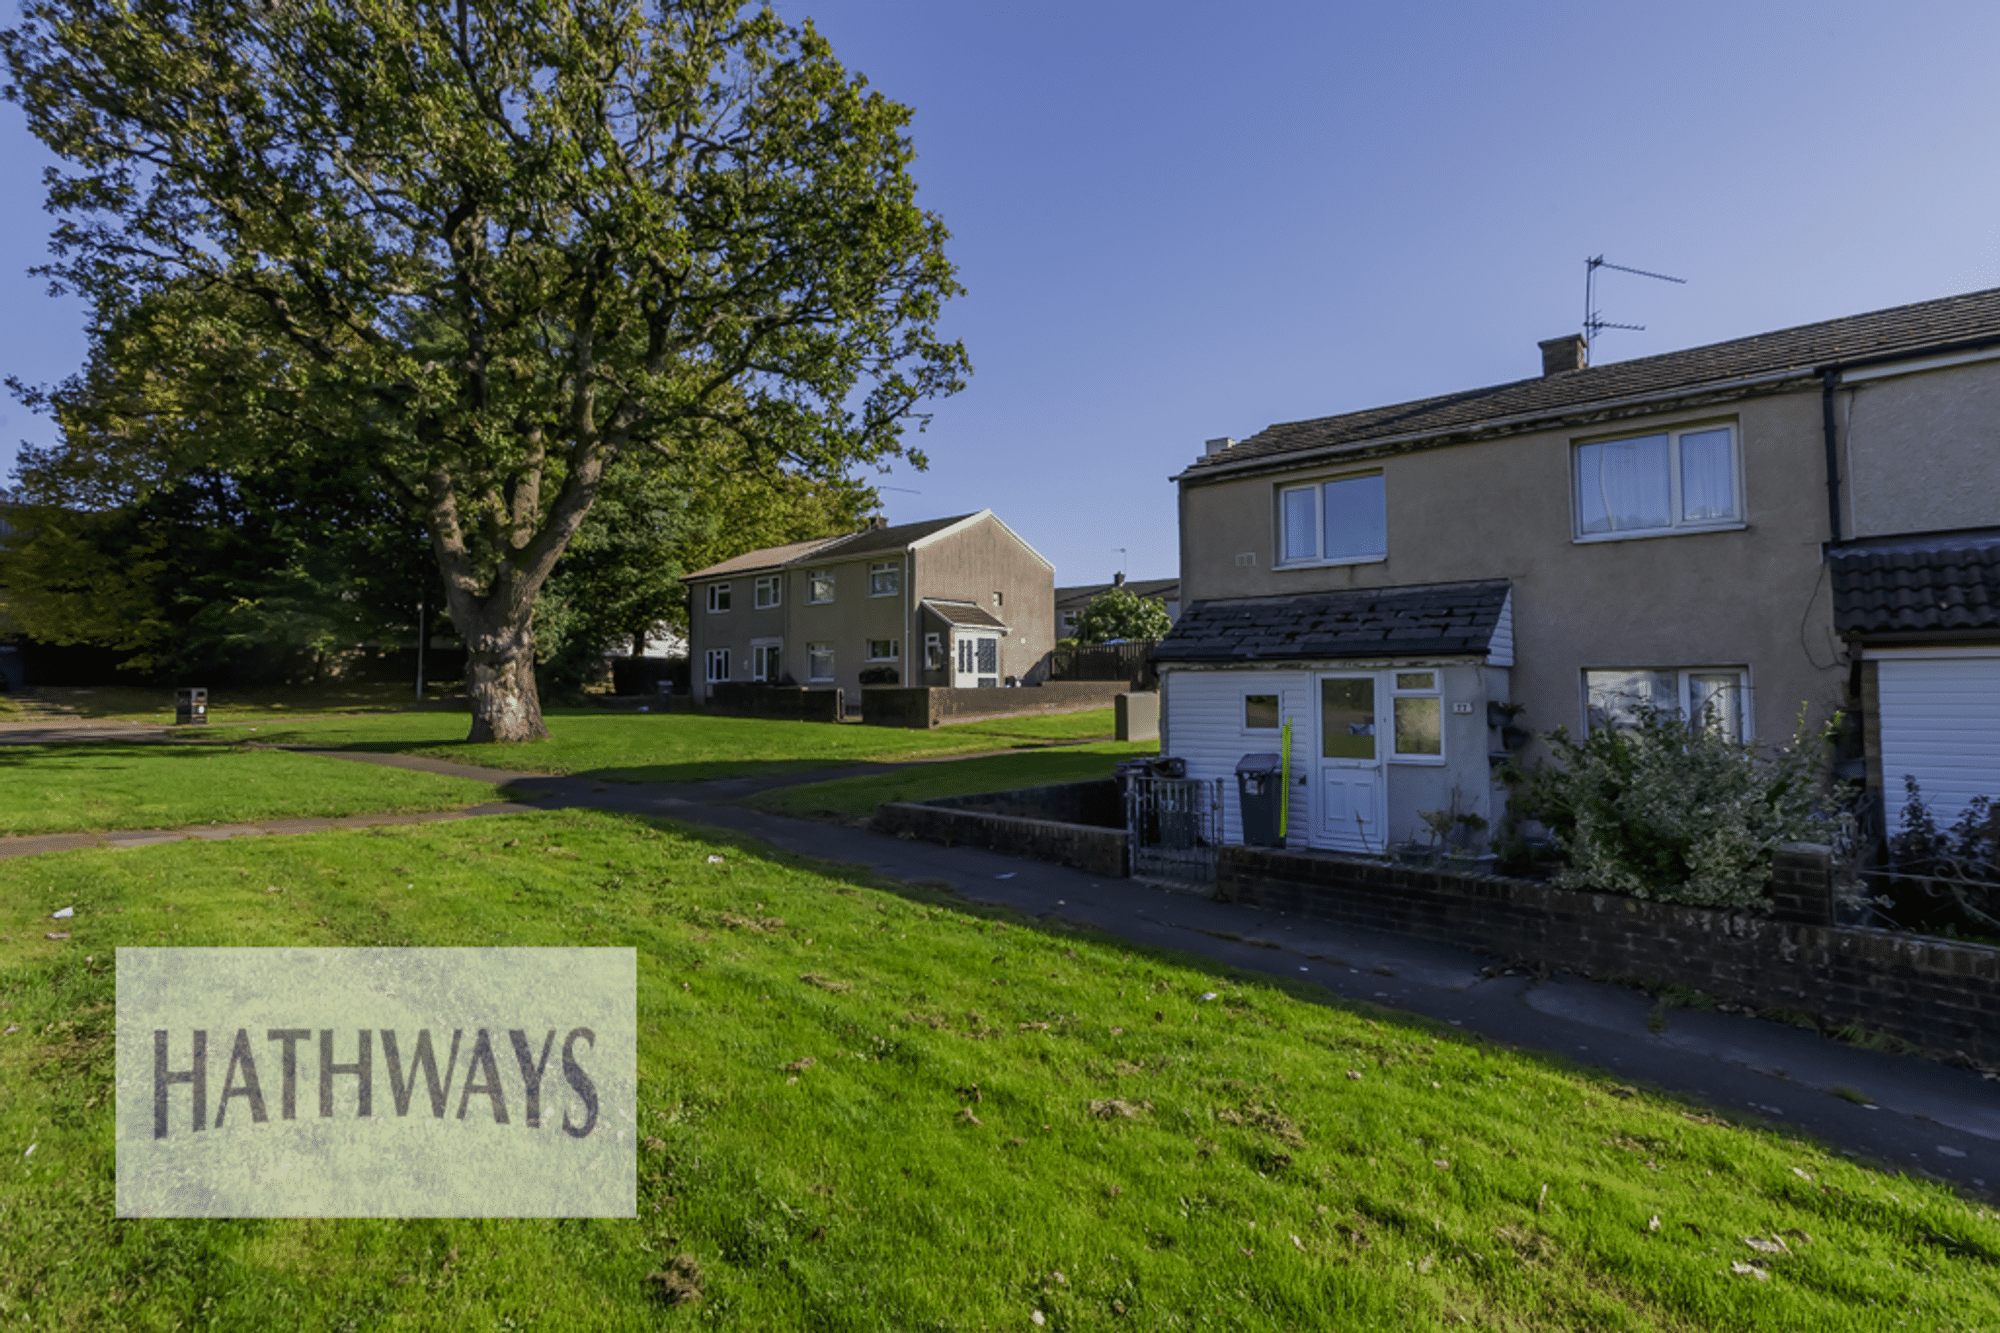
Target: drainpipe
1828, 379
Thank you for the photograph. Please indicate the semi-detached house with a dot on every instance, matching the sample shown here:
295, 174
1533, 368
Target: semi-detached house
948, 602
1802, 520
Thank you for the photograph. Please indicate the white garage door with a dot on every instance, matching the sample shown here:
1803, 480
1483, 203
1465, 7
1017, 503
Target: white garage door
1940, 725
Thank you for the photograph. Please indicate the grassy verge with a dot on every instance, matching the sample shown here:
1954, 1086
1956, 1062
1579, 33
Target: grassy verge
120, 785
133, 703
868, 1108
650, 747
856, 798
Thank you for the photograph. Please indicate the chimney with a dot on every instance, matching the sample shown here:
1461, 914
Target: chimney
1118, 579
877, 523
1217, 446
1566, 353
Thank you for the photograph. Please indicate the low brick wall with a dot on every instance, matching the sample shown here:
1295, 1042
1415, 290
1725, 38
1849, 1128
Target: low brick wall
921, 708
1073, 824
1937, 994
776, 701
1097, 803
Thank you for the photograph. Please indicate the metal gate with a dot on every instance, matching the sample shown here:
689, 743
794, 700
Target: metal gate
1174, 826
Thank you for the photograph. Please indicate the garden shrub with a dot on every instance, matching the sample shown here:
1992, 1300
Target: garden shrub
1677, 813
1947, 879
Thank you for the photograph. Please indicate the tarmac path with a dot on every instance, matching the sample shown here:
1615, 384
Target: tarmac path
1919, 1115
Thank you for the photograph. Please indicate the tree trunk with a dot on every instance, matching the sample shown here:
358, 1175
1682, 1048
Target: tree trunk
500, 667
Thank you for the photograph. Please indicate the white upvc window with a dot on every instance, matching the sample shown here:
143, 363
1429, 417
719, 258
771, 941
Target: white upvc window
933, 651
766, 659
718, 666
718, 598
819, 586
1717, 697
1683, 480
1416, 708
884, 650
770, 591
1342, 521
1069, 623
819, 661
1260, 712
885, 578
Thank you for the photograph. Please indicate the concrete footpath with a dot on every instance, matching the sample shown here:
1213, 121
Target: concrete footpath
1913, 1114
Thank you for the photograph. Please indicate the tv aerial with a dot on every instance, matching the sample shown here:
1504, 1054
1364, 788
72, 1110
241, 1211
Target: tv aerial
1593, 322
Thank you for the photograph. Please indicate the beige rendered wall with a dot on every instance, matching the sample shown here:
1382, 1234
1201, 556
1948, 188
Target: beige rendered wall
1502, 509
733, 629
1921, 452
847, 622
972, 564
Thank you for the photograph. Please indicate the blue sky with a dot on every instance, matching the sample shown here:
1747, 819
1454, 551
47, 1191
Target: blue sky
1178, 221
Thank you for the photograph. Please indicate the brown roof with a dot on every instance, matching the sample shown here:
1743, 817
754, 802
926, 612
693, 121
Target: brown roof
770, 557
963, 613
865, 542
1917, 584
1953, 323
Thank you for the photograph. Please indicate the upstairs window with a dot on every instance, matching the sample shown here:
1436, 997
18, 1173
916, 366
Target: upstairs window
819, 586
1676, 480
770, 589
718, 597
885, 578
1338, 522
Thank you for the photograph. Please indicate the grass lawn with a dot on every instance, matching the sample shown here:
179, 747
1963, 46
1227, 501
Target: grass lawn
667, 747
134, 703
865, 1107
856, 798
123, 785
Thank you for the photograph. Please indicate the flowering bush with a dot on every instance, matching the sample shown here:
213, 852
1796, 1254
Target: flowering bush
1677, 813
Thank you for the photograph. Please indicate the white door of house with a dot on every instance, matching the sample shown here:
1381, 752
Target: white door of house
1351, 794
978, 659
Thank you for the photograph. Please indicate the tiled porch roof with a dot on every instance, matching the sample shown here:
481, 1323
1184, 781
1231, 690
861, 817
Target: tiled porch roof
1429, 620
1917, 583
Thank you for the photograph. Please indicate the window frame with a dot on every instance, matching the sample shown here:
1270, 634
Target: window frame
719, 598
1316, 487
1277, 707
774, 584
814, 578
709, 675
933, 652
815, 652
767, 660
895, 650
1394, 753
1676, 525
1683, 692
893, 569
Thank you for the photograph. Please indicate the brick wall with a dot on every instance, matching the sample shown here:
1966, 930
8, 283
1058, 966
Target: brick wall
737, 699
922, 708
1937, 994
1101, 851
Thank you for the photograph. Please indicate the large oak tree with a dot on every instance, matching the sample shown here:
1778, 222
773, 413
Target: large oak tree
489, 249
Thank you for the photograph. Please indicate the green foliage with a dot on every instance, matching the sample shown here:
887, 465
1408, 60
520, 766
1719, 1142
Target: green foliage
1677, 813
1947, 880
483, 251
1118, 613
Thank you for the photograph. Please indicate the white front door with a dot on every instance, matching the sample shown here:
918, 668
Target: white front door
1350, 765
977, 659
